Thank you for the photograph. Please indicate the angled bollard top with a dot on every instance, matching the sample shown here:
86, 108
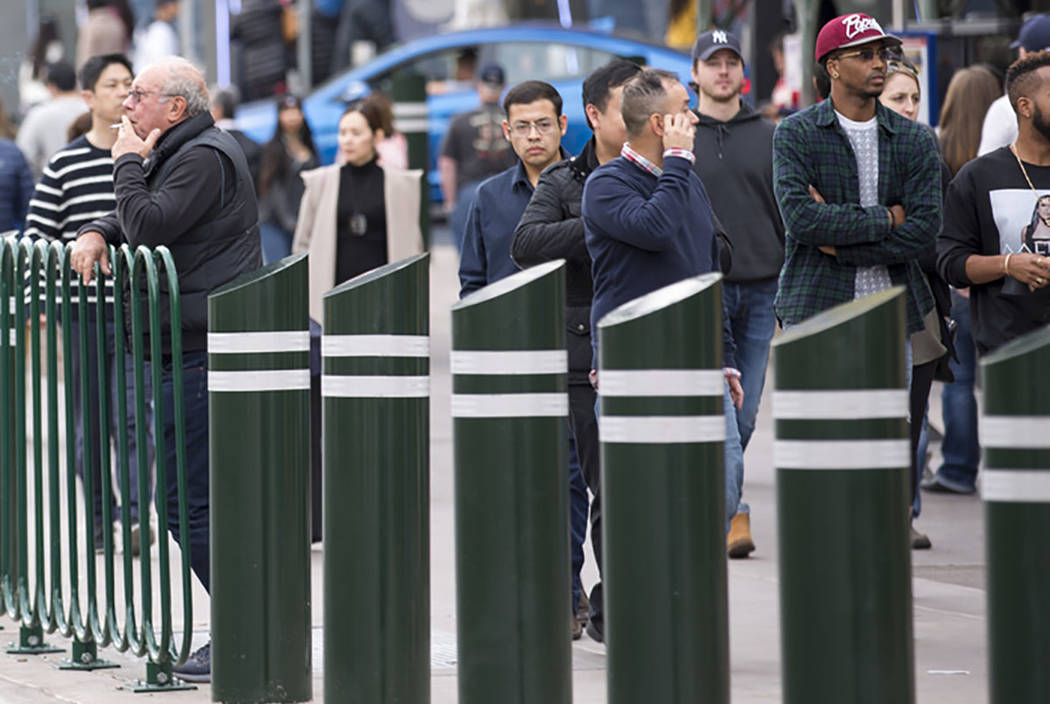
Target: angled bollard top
380, 300
1015, 487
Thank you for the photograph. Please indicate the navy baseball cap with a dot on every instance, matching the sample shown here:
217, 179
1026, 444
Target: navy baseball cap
1034, 34
492, 74
713, 40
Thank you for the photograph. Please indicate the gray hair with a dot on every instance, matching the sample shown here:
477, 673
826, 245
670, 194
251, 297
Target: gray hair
643, 96
186, 81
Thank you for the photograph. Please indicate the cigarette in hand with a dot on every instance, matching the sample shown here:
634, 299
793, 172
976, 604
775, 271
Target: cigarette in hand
116, 125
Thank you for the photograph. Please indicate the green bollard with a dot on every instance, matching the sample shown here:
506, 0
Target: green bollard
1016, 492
408, 91
376, 389
509, 410
842, 459
662, 429
259, 414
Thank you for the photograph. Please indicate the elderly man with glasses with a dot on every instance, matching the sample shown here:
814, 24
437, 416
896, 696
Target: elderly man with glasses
859, 188
180, 182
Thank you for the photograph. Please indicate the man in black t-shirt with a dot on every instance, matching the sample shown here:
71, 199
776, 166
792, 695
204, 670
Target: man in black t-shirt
993, 207
474, 149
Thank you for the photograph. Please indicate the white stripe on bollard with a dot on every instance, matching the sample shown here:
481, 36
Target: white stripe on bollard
661, 382
414, 109
1016, 485
852, 404
375, 386
375, 346
406, 126
661, 430
509, 405
509, 362
258, 342
260, 380
841, 454
1015, 432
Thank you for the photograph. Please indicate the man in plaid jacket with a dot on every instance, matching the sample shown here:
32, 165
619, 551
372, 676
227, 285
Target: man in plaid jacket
859, 187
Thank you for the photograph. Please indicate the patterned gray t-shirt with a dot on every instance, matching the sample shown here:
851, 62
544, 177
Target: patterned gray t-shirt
864, 138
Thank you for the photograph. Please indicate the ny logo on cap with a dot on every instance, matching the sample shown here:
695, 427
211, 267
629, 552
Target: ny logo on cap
719, 37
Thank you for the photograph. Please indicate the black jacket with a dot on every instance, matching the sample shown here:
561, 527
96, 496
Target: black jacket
194, 195
734, 159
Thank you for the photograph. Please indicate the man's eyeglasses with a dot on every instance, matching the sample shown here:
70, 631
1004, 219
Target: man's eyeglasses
524, 129
885, 53
135, 94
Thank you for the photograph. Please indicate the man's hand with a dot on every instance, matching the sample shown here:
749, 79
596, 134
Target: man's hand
816, 195
898, 215
679, 132
736, 392
129, 143
827, 249
89, 248
1030, 269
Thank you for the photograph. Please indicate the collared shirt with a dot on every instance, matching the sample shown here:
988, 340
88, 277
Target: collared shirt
634, 157
493, 216
810, 149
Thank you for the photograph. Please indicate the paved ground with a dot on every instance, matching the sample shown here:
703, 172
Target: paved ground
948, 582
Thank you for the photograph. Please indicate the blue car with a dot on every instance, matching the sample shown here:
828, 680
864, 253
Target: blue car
562, 57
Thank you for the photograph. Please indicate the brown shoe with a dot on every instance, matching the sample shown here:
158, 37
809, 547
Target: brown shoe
738, 542
577, 629
583, 609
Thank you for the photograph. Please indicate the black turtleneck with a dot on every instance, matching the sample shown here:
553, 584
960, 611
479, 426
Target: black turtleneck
360, 221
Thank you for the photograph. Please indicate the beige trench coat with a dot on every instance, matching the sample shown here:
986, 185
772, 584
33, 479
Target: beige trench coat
316, 230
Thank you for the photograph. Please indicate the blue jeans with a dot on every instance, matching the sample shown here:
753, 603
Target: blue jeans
579, 505
960, 447
751, 317
734, 462
276, 242
195, 414
91, 424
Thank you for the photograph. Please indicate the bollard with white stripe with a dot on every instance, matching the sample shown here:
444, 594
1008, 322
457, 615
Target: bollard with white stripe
841, 455
259, 416
376, 391
509, 410
1015, 486
662, 428
408, 91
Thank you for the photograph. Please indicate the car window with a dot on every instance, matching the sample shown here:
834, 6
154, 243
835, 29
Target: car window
549, 62
445, 71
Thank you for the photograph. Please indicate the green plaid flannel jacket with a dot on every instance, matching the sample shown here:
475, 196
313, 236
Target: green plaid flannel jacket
810, 148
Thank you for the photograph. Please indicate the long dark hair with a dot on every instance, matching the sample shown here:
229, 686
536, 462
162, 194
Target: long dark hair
47, 33
1030, 230
275, 162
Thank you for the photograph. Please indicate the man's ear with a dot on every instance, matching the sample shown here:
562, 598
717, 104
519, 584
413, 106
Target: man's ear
592, 113
89, 99
563, 122
1024, 107
506, 130
656, 121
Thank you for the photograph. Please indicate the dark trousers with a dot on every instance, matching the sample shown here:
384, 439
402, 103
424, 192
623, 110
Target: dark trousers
584, 427
195, 414
918, 399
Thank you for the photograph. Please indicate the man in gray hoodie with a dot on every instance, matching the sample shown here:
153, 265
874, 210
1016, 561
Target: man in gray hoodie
734, 159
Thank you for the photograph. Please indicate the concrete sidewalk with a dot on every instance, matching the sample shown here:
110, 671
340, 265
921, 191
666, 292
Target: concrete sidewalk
949, 605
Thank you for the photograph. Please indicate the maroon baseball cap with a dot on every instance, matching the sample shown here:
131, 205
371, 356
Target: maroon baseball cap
850, 30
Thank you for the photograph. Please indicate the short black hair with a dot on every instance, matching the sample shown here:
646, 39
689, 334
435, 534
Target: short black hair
598, 85
529, 92
821, 80
62, 76
93, 67
226, 100
1022, 78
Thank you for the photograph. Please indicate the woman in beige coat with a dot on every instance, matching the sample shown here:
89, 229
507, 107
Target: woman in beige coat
357, 215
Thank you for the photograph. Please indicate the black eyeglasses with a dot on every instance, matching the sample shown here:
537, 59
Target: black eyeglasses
885, 53
136, 95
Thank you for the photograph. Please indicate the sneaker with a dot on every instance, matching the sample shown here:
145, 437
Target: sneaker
940, 484
99, 539
136, 539
583, 609
197, 667
919, 541
596, 630
738, 542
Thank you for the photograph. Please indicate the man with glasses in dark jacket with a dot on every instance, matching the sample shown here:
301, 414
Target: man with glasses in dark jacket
180, 182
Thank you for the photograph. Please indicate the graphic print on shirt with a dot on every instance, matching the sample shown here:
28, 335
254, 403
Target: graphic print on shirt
1023, 220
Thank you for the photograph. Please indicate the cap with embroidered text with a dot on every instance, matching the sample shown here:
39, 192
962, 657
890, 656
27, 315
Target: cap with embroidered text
849, 30
714, 40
